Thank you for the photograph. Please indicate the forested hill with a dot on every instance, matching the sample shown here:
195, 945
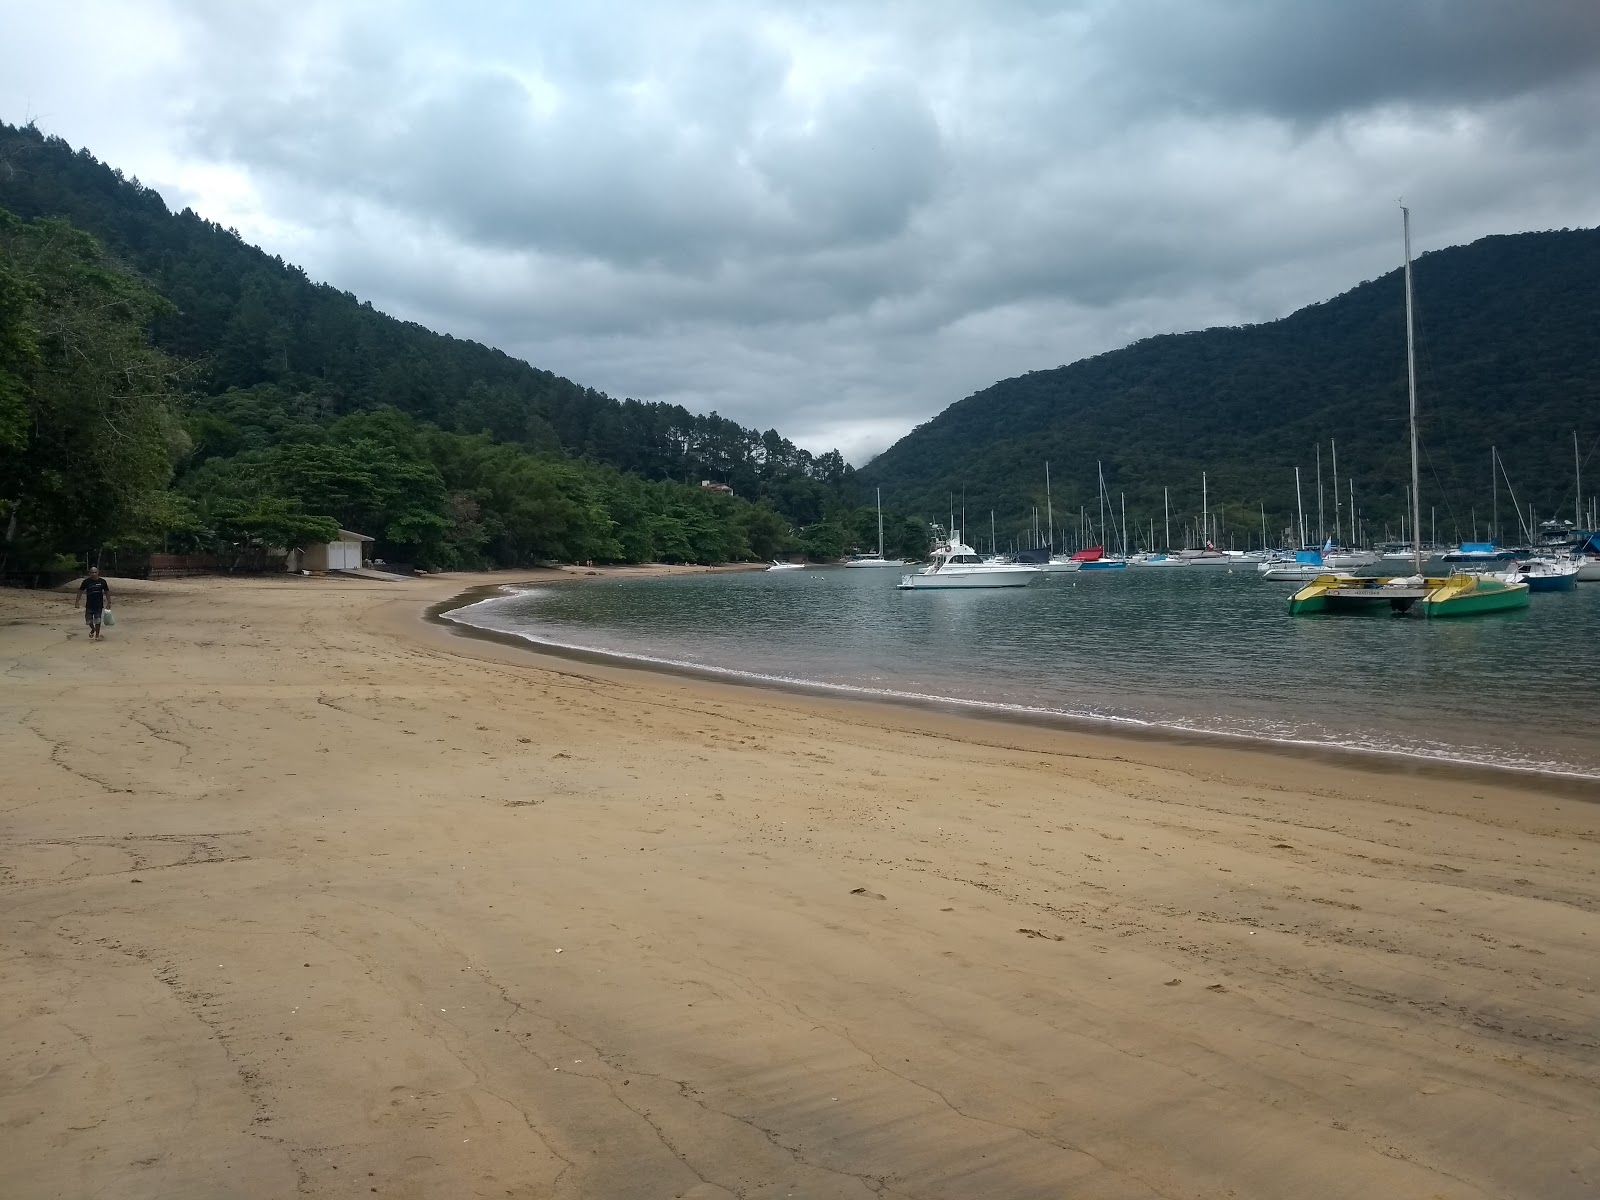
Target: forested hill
165, 385
1509, 356
247, 319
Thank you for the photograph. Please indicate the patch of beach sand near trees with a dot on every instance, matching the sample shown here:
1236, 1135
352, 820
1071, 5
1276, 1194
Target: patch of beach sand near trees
301, 895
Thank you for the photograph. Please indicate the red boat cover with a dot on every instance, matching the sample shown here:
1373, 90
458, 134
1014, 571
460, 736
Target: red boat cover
1092, 554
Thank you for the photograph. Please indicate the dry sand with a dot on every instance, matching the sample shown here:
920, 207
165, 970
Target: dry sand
303, 896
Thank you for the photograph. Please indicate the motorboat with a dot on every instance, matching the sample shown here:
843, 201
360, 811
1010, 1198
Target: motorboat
1546, 574
954, 564
778, 565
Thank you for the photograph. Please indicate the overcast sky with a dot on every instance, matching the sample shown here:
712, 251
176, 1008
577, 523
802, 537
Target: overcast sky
832, 218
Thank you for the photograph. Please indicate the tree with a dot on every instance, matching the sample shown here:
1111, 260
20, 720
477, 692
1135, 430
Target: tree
89, 461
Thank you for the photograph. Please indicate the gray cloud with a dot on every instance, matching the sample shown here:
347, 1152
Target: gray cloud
838, 217
1312, 61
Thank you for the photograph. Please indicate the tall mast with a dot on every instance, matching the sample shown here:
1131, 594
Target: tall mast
1494, 480
1263, 504
1050, 512
1338, 532
1124, 524
1411, 393
1301, 505
880, 522
1100, 473
1322, 533
1166, 515
1205, 511
1577, 466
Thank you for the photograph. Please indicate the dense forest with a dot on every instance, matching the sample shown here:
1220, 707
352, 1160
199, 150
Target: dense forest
1507, 357
163, 384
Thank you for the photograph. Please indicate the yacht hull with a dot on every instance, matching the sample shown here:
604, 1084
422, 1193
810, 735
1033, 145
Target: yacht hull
946, 580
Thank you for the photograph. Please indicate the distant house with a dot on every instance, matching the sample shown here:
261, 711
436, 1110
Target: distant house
711, 485
343, 554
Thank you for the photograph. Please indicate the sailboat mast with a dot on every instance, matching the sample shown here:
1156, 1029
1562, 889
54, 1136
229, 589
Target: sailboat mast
1100, 472
1577, 466
1301, 505
880, 522
1322, 533
1494, 482
1411, 393
1205, 511
1050, 512
1338, 532
1124, 524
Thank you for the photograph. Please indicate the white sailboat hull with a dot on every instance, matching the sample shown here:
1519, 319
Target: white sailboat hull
1299, 571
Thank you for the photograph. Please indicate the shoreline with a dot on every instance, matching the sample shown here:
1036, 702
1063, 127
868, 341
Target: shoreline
307, 894
1575, 784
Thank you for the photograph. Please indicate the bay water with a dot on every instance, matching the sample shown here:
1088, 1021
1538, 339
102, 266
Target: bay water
1200, 650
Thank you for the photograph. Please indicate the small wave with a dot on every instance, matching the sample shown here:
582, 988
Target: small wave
1091, 718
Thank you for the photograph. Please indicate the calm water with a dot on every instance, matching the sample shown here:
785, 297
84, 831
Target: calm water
1197, 649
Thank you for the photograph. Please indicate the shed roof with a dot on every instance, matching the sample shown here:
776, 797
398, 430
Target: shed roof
350, 535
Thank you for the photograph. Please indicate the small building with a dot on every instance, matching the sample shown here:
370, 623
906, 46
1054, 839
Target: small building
711, 485
343, 554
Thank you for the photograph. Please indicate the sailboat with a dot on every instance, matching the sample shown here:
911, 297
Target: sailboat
1450, 596
875, 560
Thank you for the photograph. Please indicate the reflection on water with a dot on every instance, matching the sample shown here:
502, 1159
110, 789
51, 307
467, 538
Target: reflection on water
1202, 649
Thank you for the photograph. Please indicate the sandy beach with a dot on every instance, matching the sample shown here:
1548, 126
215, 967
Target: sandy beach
305, 895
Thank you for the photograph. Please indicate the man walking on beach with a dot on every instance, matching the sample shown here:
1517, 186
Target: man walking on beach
93, 593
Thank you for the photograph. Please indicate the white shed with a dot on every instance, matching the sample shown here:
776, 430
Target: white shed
343, 554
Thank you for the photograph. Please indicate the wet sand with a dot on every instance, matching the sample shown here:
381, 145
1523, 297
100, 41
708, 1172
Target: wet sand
305, 895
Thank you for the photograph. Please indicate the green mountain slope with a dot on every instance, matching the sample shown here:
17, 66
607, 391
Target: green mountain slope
231, 404
249, 319
1508, 356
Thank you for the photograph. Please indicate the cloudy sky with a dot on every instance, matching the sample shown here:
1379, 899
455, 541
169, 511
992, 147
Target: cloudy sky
834, 218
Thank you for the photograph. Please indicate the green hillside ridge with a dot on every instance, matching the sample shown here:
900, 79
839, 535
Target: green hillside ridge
1508, 357
271, 400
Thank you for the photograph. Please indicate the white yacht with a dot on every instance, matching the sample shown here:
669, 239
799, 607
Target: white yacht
957, 565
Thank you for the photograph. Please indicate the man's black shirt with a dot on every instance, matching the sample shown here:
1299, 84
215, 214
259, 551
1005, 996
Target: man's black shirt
94, 592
